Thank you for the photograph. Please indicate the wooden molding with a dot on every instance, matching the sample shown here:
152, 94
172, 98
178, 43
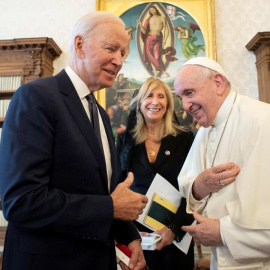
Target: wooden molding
6, 94
2, 235
30, 58
260, 45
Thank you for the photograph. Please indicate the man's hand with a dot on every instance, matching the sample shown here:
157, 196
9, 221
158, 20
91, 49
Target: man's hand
214, 179
137, 260
167, 237
128, 205
206, 232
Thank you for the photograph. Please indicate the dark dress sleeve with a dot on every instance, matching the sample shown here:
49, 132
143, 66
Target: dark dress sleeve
121, 164
182, 218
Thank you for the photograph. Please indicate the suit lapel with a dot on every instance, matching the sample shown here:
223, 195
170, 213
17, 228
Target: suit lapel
142, 155
77, 111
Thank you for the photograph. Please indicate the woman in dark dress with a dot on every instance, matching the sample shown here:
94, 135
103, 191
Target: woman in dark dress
154, 143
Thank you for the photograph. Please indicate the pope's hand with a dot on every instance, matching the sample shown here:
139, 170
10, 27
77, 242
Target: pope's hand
206, 232
214, 179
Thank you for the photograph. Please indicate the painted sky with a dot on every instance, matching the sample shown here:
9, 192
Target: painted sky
133, 67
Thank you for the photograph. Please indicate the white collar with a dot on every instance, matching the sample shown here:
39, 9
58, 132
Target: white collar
225, 109
78, 83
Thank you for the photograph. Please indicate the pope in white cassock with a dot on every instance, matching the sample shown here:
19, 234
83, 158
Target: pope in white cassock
234, 212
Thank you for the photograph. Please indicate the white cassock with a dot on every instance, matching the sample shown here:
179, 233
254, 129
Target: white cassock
243, 207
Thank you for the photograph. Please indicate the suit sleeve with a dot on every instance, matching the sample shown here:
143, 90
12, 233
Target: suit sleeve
126, 232
121, 172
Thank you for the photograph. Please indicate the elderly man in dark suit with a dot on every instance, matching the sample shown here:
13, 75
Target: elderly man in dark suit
57, 175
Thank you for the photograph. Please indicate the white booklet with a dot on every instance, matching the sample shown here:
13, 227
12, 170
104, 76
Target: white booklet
149, 240
162, 187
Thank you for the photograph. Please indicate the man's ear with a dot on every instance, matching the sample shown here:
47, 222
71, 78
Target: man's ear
78, 45
220, 84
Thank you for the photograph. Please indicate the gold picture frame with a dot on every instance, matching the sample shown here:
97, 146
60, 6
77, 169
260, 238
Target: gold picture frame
177, 14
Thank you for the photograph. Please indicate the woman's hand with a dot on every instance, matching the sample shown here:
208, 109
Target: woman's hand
167, 237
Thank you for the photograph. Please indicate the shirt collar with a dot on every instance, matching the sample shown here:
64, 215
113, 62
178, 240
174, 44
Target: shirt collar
225, 109
78, 83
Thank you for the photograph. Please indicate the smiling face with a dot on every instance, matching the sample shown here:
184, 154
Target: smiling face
201, 96
154, 106
100, 59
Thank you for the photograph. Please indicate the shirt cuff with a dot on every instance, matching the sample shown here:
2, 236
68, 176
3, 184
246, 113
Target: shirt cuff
196, 205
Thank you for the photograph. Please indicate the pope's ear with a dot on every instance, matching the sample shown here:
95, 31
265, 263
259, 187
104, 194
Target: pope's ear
220, 83
78, 46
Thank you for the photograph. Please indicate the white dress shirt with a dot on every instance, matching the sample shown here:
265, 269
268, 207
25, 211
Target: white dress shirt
83, 91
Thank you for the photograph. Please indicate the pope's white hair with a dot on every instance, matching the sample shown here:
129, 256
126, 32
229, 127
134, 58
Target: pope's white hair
207, 73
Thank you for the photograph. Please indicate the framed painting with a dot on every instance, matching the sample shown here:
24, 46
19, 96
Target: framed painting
163, 36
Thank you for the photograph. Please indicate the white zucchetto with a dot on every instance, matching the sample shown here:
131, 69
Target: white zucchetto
208, 63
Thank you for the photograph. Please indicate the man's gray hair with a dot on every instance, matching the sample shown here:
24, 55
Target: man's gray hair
86, 24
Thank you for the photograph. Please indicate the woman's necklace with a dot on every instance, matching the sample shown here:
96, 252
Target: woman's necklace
152, 148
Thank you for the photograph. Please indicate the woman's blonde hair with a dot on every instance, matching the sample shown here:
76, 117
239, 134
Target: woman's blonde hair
166, 127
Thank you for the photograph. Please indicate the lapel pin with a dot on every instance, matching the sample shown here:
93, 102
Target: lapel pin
167, 152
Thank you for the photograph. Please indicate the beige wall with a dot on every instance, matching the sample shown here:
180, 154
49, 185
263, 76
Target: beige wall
37, 18
237, 21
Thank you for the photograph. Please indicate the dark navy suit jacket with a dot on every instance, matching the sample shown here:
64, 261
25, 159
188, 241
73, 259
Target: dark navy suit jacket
53, 183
